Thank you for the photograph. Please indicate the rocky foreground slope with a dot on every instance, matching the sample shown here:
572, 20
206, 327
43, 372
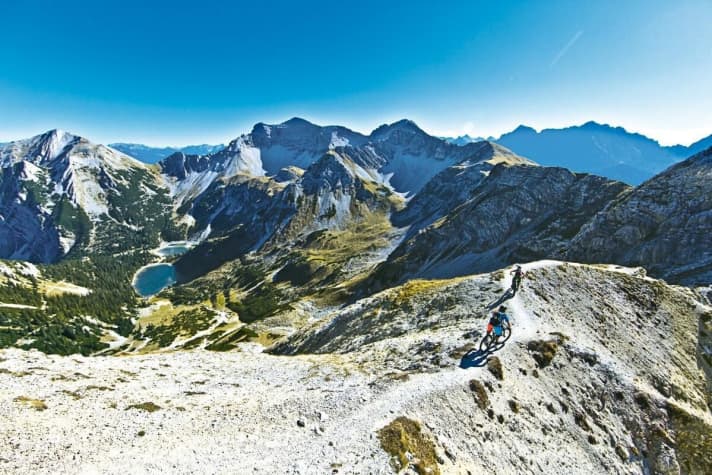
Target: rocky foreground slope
604, 373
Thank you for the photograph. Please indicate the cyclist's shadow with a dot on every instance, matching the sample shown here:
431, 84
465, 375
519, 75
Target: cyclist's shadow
478, 358
503, 298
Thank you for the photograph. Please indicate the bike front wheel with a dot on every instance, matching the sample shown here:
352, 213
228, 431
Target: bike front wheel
486, 342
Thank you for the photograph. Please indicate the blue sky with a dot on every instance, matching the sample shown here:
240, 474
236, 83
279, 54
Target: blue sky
174, 73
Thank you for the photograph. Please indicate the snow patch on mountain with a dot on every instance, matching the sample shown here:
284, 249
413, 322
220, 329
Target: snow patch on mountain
32, 172
192, 186
407, 171
82, 186
59, 140
243, 158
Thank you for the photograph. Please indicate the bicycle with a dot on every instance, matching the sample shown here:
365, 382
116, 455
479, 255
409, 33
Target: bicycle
516, 282
491, 339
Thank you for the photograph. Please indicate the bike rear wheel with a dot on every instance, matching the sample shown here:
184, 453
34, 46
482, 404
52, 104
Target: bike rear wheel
506, 333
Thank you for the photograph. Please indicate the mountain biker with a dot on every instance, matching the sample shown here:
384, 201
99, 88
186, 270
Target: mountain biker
517, 279
495, 322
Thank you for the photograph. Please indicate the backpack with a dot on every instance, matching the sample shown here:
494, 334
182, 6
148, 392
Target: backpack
495, 319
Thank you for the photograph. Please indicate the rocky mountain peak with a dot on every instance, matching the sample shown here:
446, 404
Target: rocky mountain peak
292, 127
593, 125
55, 141
41, 148
488, 151
179, 164
70, 193
406, 126
329, 173
524, 129
298, 122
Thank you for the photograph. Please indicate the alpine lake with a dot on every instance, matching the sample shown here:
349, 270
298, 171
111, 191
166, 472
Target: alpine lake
152, 278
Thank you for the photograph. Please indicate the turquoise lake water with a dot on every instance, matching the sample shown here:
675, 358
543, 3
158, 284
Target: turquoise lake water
152, 279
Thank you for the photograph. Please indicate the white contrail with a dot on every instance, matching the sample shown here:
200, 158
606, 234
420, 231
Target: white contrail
566, 48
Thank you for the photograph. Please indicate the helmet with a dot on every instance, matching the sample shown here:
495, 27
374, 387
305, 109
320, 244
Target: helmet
518, 266
502, 308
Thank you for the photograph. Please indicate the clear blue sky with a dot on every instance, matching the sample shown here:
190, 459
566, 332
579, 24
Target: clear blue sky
175, 73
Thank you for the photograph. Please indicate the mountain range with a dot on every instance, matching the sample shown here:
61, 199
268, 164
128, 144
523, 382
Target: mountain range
462, 139
601, 149
63, 195
594, 148
358, 270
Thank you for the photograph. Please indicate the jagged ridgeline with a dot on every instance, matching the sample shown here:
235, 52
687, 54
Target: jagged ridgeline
294, 218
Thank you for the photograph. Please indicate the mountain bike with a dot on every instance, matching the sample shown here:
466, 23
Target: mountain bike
491, 339
516, 282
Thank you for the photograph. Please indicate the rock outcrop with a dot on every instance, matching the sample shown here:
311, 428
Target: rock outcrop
602, 360
247, 214
665, 224
454, 186
515, 214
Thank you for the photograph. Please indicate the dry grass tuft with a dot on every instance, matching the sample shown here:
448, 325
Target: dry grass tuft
145, 406
404, 440
693, 437
36, 404
494, 365
543, 351
480, 393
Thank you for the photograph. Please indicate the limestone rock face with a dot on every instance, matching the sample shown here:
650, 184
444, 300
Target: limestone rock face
515, 214
620, 377
246, 213
454, 186
665, 224
179, 164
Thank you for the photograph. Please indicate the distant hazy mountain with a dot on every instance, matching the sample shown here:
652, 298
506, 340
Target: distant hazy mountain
462, 139
596, 148
697, 147
155, 154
